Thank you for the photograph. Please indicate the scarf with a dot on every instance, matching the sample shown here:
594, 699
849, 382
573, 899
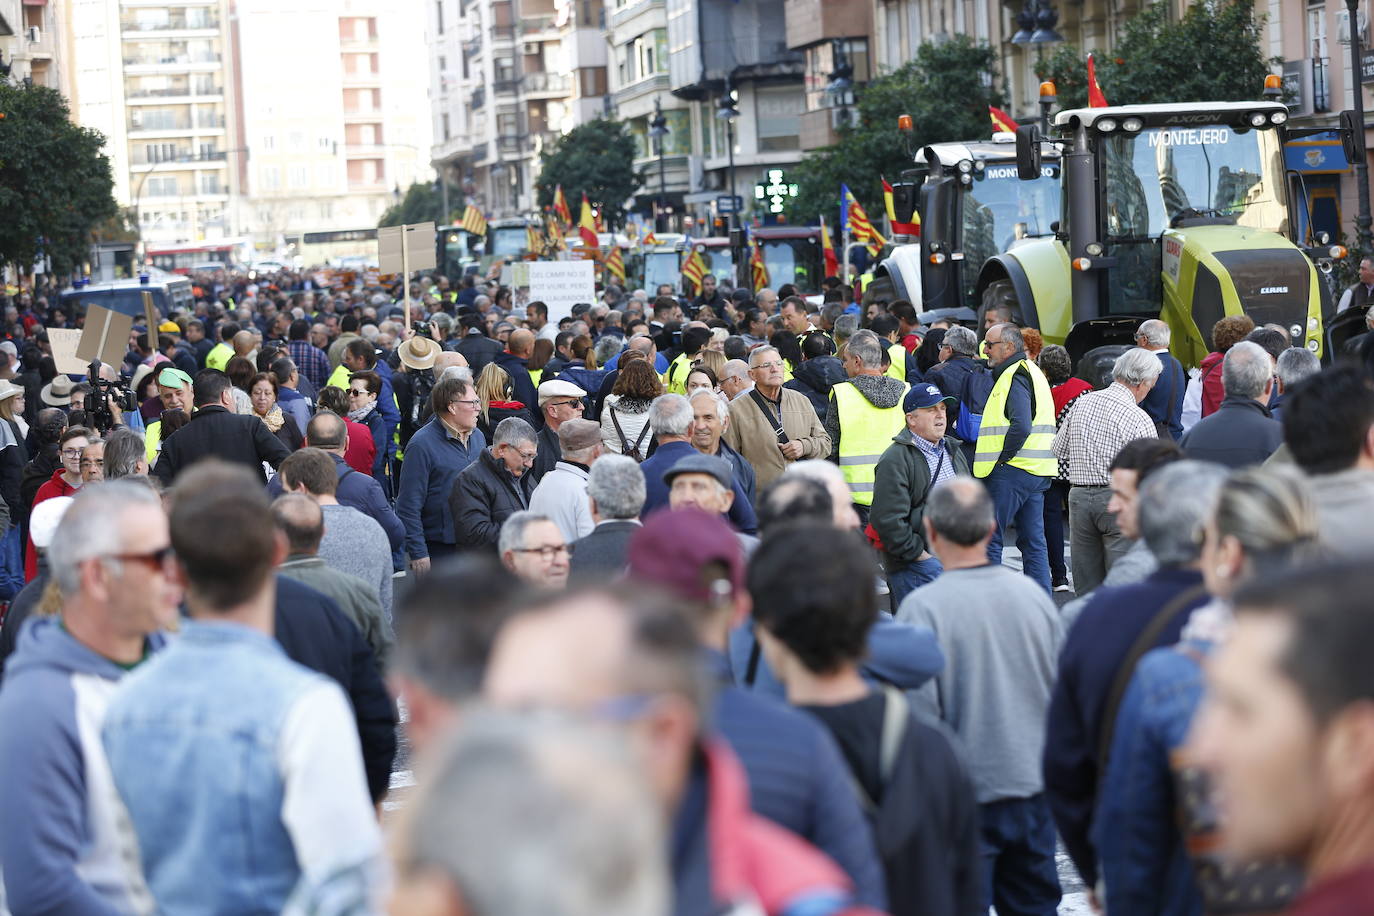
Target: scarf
357, 414
274, 419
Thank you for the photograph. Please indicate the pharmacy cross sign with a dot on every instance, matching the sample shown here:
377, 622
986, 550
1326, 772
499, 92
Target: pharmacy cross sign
775, 190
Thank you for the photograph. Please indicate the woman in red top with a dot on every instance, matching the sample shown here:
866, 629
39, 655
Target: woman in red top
1064, 388
65, 482
1226, 333
361, 450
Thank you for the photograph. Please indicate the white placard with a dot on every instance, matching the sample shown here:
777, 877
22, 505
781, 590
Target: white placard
562, 284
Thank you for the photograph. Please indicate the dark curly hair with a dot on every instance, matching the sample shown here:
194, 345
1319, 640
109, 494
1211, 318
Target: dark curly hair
1054, 361
638, 381
812, 587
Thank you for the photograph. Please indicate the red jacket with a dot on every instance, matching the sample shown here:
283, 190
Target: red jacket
56, 486
361, 450
754, 861
1213, 387
1066, 392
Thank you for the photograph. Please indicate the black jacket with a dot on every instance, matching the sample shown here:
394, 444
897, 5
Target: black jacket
900, 488
604, 553
484, 495
1241, 433
522, 387
316, 634
496, 414
815, 377
478, 351
550, 452
214, 432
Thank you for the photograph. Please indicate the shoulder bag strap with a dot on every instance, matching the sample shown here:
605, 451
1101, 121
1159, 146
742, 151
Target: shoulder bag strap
1143, 643
1173, 393
775, 422
896, 714
643, 431
944, 452
624, 443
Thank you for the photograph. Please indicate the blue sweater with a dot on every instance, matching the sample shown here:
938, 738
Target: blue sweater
741, 513
798, 780
362, 493
433, 460
1094, 650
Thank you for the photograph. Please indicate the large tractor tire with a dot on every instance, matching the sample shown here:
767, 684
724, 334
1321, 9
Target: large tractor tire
999, 294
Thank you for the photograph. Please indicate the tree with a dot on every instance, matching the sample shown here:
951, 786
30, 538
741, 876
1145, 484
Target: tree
423, 201
946, 89
596, 159
55, 181
1211, 54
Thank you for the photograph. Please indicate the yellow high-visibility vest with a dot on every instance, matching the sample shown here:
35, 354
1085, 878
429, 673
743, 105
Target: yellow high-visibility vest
1035, 456
865, 433
898, 368
219, 356
675, 379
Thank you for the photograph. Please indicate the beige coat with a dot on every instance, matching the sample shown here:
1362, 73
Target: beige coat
750, 434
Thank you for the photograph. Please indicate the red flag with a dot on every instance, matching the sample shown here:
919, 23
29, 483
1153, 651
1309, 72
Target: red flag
1095, 97
898, 226
615, 263
832, 263
758, 269
586, 226
560, 206
1002, 123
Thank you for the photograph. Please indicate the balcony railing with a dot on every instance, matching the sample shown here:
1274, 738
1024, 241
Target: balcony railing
503, 33
1321, 84
533, 25
543, 81
175, 92
479, 97
505, 87
150, 60
173, 24
510, 143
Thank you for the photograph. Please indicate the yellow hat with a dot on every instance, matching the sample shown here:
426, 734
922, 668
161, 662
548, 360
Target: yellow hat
169, 327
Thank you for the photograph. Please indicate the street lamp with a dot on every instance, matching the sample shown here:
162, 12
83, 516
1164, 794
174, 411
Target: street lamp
658, 130
1361, 163
727, 112
1035, 24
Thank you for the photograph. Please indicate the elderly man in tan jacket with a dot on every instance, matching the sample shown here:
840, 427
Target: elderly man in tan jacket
772, 426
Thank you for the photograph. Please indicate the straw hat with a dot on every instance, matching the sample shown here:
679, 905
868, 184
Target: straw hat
58, 392
418, 353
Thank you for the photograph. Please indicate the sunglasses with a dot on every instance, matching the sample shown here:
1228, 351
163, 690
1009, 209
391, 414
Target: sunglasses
155, 560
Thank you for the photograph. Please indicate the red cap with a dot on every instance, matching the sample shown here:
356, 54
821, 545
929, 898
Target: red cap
674, 546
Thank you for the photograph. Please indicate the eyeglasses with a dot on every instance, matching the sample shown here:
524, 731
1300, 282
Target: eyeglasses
773, 365
71, 453
572, 403
155, 560
474, 403
548, 551
357, 392
93, 462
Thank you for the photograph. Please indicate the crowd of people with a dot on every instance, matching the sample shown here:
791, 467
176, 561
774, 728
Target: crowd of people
684, 605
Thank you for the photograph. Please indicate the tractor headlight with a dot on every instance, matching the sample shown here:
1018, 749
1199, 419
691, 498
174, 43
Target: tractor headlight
965, 178
1278, 117
1257, 119
1312, 345
978, 166
1094, 249
1132, 125
1295, 331
1311, 324
1106, 125
965, 166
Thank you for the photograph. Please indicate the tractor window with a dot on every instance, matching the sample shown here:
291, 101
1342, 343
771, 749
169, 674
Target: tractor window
508, 241
1001, 209
1161, 174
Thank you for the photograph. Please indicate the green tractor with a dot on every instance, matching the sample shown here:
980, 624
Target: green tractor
1183, 212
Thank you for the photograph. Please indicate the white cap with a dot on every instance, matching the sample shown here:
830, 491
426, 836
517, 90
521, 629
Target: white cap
44, 519
559, 389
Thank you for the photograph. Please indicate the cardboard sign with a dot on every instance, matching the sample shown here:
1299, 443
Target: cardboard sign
105, 337
65, 342
562, 284
151, 320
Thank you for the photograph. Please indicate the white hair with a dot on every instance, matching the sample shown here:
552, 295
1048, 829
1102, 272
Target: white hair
670, 415
92, 527
1136, 366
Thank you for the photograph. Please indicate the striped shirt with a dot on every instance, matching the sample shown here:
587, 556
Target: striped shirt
1097, 425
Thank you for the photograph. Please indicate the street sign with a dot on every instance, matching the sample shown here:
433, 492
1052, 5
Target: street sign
1367, 65
728, 204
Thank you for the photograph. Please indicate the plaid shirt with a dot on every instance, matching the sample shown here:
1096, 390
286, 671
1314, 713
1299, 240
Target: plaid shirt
937, 458
1098, 424
310, 361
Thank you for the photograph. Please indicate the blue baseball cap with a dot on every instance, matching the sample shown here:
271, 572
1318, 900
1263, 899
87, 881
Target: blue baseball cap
924, 394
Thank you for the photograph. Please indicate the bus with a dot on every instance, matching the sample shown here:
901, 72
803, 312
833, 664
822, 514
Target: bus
185, 257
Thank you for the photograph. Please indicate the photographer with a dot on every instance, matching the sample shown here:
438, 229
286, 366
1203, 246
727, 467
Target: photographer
109, 401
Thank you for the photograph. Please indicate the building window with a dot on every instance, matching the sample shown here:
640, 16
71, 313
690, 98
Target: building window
439, 16
298, 176
820, 63
162, 187
271, 177
776, 110
443, 126
269, 142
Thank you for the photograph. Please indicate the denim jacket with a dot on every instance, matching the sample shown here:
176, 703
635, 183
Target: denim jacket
209, 711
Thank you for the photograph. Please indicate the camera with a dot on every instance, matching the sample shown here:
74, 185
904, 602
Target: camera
105, 395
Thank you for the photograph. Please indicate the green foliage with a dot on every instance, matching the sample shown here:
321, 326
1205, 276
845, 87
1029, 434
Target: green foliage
55, 182
946, 88
596, 159
423, 202
1212, 54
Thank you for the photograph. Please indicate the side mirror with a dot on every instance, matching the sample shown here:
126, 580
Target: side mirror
1028, 152
1352, 137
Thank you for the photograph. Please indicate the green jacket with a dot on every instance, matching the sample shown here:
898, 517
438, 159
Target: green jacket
901, 484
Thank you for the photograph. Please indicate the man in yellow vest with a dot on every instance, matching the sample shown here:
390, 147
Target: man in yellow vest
174, 389
694, 336
1014, 455
222, 352
864, 414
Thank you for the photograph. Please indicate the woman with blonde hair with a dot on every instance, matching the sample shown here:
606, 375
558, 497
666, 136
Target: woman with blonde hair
494, 389
713, 360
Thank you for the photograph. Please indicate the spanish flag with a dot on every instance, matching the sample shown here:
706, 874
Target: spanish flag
615, 263
586, 225
694, 268
560, 206
1002, 123
649, 239
832, 263
533, 243
1095, 97
898, 226
473, 221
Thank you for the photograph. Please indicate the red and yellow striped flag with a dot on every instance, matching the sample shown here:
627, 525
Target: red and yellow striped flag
586, 225
694, 268
758, 268
832, 263
902, 228
1002, 123
473, 221
560, 206
862, 227
615, 263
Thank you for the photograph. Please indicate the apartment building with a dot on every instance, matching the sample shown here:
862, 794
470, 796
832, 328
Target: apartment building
507, 78
33, 42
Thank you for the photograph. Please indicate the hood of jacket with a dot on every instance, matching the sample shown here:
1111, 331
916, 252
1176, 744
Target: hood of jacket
44, 643
881, 390
820, 373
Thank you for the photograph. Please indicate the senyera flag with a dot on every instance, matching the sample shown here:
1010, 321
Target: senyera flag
615, 263
1002, 123
758, 269
560, 206
473, 221
695, 267
898, 226
586, 225
1095, 97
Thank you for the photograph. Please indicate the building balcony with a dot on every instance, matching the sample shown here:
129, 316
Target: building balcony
479, 97
362, 116
175, 63
651, 85
531, 26
505, 87
510, 144
545, 84
617, 13
502, 34
179, 94
365, 150
140, 162
362, 80
543, 139
206, 20
364, 186
359, 44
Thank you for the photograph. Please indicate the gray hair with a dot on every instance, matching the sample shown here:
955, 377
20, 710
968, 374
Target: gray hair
1136, 367
123, 450
755, 357
462, 373
91, 527
738, 368
606, 348
1173, 505
961, 340
513, 431
846, 326
865, 347
480, 300
960, 510
1155, 332
594, 851
513, 528
722, 403
616, 483
1246, 369
670, 415
1010, 333
1294, 365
